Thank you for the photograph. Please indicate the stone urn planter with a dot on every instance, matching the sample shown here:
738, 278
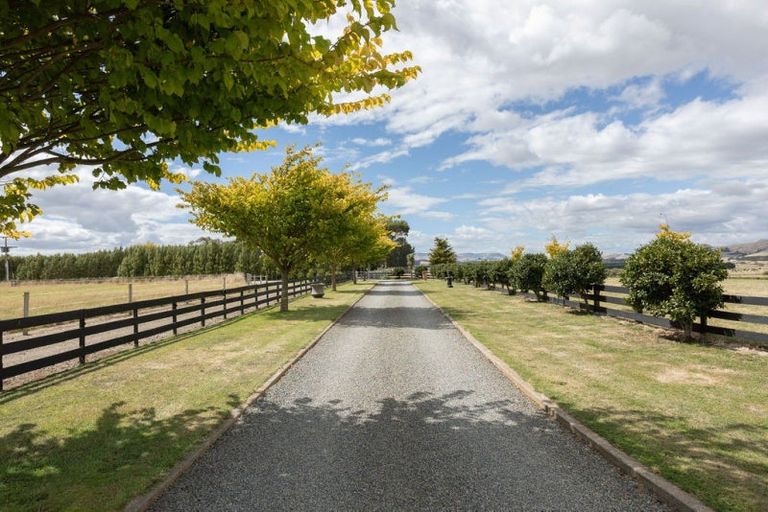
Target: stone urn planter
318, 290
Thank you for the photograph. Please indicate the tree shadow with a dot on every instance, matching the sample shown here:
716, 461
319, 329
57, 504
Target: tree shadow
396, 317
706, 460
100, 468
396, 292
425, 451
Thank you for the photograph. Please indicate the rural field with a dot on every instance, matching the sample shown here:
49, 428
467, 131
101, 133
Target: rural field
659, 400
94, 437
52, 298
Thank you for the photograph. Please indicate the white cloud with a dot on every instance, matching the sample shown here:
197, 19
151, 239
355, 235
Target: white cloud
699, 139
404, 201
379, 158
642, 95
377, 142
726, 211
480, 57
77, 218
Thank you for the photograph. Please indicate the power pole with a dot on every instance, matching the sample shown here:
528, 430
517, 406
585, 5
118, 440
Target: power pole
5, 249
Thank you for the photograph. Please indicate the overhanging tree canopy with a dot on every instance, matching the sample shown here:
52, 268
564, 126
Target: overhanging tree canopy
126, 86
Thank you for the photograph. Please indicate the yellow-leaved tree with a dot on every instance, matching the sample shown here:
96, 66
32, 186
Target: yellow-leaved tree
292, 214
554, 248
666, 233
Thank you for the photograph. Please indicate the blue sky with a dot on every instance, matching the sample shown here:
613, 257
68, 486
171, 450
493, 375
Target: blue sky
591, 121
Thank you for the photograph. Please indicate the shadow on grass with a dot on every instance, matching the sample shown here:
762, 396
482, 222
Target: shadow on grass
100, 468
726, 465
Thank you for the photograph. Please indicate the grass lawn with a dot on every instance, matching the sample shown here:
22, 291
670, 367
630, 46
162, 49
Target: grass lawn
697, 415
93, 438
52, 298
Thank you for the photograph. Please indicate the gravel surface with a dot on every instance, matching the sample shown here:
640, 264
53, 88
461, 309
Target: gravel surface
394, 409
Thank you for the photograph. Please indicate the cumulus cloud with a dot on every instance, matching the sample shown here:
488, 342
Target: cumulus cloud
77, 218
404, 201
479, 58
700, 138
726, 211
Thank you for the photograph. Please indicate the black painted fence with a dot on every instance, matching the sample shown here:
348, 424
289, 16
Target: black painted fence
204, 305
597, 298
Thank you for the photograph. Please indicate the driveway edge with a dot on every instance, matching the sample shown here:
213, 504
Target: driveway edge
142, 502
665, 490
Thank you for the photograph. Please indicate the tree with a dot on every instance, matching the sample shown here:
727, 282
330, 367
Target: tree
398, 232
673, 276
127, 86
575, 271
527, 273
441, 252
354, 233
288, 214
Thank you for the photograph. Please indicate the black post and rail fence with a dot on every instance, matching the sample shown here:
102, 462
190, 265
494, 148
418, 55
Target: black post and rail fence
70, 330
600, 303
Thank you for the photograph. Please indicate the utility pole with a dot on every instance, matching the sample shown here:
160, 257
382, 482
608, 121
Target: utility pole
5, 249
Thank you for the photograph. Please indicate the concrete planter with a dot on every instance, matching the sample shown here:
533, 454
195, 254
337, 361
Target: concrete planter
318, 290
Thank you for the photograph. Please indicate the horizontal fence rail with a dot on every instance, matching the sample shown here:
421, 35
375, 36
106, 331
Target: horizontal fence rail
77, 325
597, 298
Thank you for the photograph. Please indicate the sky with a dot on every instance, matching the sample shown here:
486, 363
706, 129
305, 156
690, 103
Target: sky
588, 120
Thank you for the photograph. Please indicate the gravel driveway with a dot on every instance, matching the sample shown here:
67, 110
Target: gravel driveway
394, 409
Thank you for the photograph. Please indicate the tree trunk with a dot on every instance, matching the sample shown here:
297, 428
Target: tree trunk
284, 291
687, 328
354, 276
333, 277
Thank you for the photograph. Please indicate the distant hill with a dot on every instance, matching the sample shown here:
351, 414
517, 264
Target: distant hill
749, 251
464, 256
752, 251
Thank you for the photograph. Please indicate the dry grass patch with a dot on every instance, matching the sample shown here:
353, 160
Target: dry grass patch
693, 413
52, 298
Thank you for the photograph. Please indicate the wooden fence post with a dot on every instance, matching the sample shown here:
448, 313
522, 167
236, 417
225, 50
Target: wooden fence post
242, 302
596, 292
175, 316
135, 327
186, 287
224, 293
703, 333
82, 337
130, 292
202, 312
26, 311
1, 360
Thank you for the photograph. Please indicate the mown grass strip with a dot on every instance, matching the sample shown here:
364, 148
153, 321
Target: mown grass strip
697, 415
93, 438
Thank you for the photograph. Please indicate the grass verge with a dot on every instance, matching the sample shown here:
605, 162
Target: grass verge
697, 415
93, 438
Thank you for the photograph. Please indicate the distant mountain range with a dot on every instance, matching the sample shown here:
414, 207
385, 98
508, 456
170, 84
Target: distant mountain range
750, 251
754, 251
464, 256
